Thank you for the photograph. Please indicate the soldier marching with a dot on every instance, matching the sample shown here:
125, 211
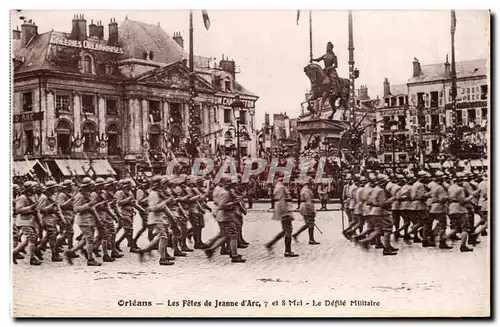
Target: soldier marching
425, 209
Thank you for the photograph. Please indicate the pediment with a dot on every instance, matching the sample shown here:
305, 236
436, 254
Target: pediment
175, 75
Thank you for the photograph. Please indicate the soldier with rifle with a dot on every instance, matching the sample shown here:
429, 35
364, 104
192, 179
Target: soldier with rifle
102, 211
111, 216
141, 196
86, 218
184, 198
126, 202
157, 217
16, 192
51, 214
174, 232
65, 202
26, 220
196, 210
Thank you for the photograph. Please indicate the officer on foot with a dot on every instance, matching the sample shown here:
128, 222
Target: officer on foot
307, 211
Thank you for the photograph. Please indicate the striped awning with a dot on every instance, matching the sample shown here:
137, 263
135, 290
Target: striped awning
21, 168
77, 167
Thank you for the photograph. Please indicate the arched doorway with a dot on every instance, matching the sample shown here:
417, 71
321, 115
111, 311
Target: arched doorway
113, 134
155, 137
63, 131
89, 131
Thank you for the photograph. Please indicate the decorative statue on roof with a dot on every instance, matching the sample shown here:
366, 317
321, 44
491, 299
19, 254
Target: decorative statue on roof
325, 83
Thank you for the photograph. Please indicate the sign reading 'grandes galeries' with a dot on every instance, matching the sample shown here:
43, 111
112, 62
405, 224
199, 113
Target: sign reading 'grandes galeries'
84, 45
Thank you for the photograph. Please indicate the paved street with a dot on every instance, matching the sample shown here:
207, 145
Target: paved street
416, 282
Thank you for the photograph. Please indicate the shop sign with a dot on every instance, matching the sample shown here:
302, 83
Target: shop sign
28, 117
84, 45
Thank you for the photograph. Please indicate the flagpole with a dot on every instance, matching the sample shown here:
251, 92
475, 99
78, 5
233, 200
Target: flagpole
453, 72
191, 75
352, 104
310, 37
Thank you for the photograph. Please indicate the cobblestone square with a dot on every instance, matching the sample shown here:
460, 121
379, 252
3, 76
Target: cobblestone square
417, 282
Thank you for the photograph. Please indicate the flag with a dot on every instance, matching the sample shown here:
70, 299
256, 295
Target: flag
298, 16
453, 21
206, 19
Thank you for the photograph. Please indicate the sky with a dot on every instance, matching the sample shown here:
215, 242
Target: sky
271, 50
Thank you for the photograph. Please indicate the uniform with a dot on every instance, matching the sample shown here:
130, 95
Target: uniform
224, 215
437, 210
457, 211
125, 201
25, 206
49, 221
65, 202
307, 211
282, 212
323, 195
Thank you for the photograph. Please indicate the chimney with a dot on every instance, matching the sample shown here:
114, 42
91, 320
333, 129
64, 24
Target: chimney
16, 34
387, 87
74, 29
100, 30
178, 38
416, 68
93, 29
228, 66
113, 32
82, 28
28, 30
447, 70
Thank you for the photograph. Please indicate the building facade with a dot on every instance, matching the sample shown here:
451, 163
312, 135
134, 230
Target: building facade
430, 104
121, 103
392, 116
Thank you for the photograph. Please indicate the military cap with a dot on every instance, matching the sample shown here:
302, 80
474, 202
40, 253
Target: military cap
66, 182
50, 185
110, 181
86, 182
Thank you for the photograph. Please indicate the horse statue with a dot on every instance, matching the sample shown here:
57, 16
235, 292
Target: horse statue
323, 88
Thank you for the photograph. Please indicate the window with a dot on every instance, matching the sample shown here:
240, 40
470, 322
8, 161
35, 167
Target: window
402, 157
111, 107
435, 122
484, 92
30, 141
402, 123
387, 125
154, 137
471, 115
216, 115
145, 55
484, 113
175, 112
393, 102
62, 102
434, 99
154, 111
88, 103
420, 99
387, 158
89, 132
401, 101
63, 130
113, 140
27, 101
227, 84
243, 117
87, 64
243, 151
151, 55
227, 115
459, 117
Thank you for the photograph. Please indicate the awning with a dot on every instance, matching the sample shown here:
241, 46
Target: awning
21, 168
100, 167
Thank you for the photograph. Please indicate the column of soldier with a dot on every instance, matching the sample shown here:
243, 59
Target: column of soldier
45, 215
426, 204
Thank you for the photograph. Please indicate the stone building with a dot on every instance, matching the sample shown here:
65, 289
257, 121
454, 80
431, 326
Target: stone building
120, 102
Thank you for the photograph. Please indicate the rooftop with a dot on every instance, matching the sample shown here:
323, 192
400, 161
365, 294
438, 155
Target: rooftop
465, 69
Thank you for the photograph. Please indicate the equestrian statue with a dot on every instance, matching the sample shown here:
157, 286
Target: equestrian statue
325, 83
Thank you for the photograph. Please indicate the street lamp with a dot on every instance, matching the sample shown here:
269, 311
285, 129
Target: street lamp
237, 105
394, 128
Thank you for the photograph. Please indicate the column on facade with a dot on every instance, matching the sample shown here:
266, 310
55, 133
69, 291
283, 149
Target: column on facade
165, 113
101, 109
185, 119
144, 117
129, 131
17, 133
77, 118
50, 120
